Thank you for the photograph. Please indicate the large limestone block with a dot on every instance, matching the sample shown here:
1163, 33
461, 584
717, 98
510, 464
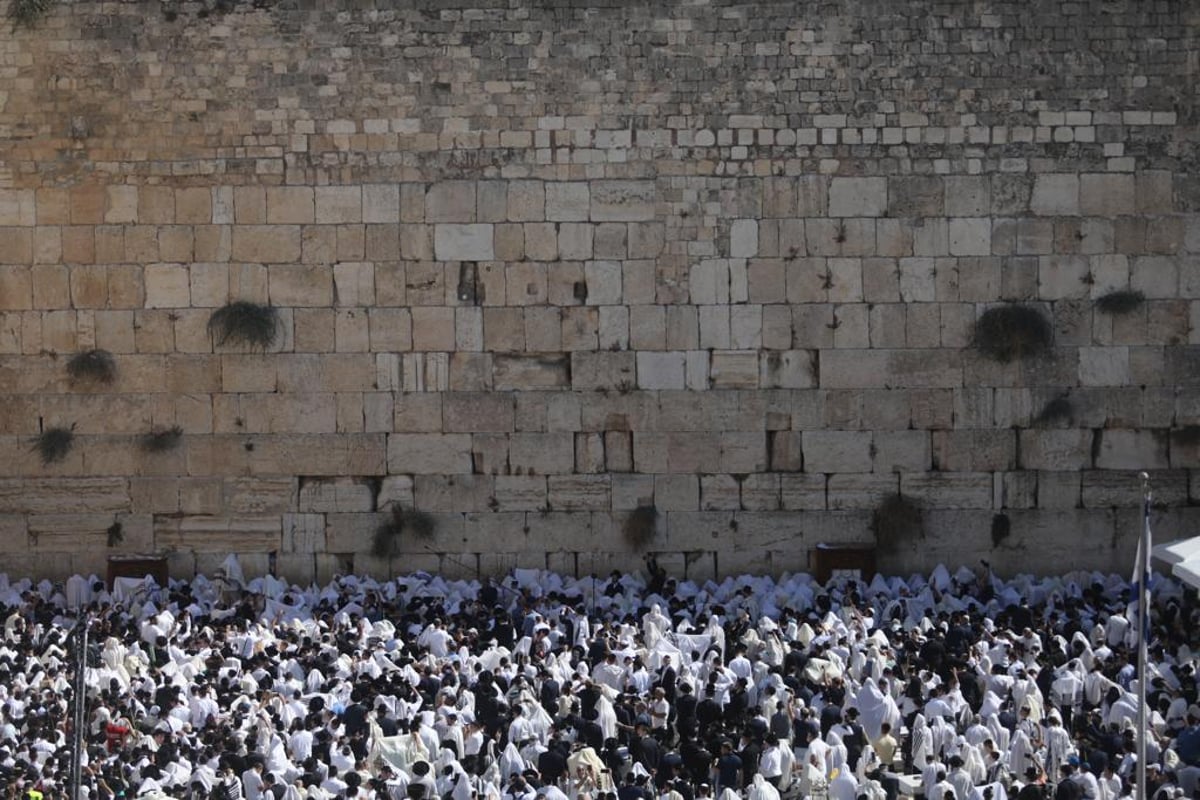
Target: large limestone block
429, 454
50, 495
858, 197
1105, 488
464, 242
1131, 449
531, 371
351, 533
719, 493
855, 490
948, 489
520, 493
167, 286
300, 285
266, 244
1055, 450
290, 205
1055, 195
1107, 194
542, 453
451, 201
218, 534
450, 493
65, 532
660, 370
592, 371
579, 492
567, 201
622, 200
477, 411
788, 369
260, 495
975, 450
332, 454
734, 369
854, 369
303, 534
338, 204
837, 451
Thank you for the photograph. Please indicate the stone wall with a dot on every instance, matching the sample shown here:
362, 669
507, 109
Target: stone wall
538, 264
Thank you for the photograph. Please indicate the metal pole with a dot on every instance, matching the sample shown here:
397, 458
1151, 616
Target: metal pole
79, 703
1143, 619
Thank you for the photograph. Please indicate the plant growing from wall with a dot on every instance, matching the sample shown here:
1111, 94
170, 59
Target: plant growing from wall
96, 366
116, 534
1057, 410
897, 522
160, 441
28, 13
1122, 301
1012, 332
401, 522
640, 527
54, 444
245, 323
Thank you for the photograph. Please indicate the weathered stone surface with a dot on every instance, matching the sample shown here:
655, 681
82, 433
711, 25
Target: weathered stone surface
50, 495
573, 297
463, 242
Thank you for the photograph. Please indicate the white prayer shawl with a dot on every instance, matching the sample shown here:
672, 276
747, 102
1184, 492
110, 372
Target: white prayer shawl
587, 756
607, 716
943, 735
875, 708
974, 764
873, 790
1026, 693
922, 740
788, 763
1020, 754
836, 756
761, 790
398, 751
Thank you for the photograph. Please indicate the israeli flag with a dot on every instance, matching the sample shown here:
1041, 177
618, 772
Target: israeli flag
1138, 610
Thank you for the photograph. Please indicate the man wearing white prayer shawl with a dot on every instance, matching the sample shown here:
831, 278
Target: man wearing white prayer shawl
655, 625
843, 786
760, 789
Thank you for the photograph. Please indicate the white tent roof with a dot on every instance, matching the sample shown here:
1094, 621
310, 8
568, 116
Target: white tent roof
1172, 553
1188, 572
1183, 556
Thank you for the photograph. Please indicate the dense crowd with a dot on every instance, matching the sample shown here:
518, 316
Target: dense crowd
956, 686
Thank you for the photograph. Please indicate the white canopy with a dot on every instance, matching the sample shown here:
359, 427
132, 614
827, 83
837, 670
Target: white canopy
1180, 550
1183, 556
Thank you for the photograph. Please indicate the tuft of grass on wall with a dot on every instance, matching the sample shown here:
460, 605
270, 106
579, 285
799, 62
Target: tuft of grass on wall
640, 527
1012, 332
116, 534
97, 366
54, 444
27, 13
161, 441
897, 522
1122, 301
399, 524
1055, 411
244, 323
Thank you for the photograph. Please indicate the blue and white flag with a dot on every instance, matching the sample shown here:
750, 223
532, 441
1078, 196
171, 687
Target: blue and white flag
1138, 610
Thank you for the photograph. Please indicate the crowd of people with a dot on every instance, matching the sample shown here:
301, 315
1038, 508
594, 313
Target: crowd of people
960, 686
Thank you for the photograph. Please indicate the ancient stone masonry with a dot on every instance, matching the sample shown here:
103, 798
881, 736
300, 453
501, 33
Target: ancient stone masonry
535, 265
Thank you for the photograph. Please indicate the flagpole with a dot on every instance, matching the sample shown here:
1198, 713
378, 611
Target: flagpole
1143, 568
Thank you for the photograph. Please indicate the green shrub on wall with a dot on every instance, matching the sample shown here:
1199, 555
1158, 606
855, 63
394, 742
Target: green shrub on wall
244, 323
1012, 332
